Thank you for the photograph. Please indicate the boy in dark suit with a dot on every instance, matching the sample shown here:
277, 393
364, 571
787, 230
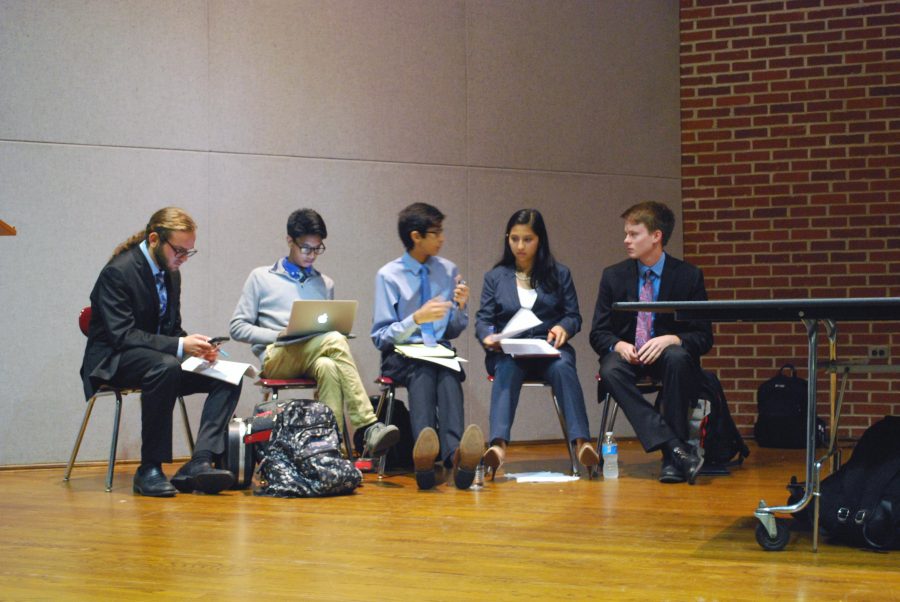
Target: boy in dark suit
135, 339
632, 345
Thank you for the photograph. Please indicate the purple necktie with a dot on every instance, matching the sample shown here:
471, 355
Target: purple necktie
644, 318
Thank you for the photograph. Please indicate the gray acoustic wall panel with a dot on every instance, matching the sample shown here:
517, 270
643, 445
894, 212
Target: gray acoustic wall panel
130, 73
358, 79
241, 111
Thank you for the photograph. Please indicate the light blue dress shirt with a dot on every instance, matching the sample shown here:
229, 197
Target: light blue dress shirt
398, 296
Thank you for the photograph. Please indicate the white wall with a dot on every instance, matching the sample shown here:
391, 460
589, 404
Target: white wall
242, 111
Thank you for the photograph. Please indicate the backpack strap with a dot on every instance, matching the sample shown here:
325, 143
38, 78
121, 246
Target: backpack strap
870, 502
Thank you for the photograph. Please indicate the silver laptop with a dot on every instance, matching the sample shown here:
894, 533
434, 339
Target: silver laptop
309, 318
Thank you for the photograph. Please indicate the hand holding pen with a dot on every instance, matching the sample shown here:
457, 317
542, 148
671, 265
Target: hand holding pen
460, 293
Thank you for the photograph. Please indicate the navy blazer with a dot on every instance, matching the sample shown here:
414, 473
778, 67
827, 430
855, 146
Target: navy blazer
680, 281
125, 315
500, 301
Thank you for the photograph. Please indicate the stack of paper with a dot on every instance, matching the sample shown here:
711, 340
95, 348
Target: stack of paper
528, 348
438, 354
230, 372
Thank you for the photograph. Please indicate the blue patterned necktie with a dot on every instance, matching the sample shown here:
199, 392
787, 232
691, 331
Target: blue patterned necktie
644, 318
424, 296
163, 295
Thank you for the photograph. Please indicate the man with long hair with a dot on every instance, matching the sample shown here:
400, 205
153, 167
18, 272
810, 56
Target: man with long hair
135, 339
632, 345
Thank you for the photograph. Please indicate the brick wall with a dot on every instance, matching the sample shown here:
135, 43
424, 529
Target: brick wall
791, 179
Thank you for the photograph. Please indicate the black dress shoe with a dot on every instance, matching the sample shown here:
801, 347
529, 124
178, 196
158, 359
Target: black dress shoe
199, 475
688, 462
669, 473
150, 481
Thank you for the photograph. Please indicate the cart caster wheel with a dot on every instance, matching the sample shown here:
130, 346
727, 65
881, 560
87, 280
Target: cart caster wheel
776, 544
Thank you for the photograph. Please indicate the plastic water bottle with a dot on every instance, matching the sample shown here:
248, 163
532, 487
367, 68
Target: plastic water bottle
610, 451
478, 483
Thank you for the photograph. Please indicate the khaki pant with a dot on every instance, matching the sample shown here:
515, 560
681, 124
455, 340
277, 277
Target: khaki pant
326, 358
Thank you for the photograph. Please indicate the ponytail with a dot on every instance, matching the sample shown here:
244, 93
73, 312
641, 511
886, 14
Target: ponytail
162, 222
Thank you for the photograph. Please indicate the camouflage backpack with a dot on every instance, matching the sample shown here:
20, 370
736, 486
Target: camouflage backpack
303, 458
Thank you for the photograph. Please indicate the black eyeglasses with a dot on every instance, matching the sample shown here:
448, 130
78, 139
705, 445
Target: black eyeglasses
436, 232
181, 252
308, 250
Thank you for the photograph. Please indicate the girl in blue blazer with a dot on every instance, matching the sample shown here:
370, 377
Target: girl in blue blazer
528, 276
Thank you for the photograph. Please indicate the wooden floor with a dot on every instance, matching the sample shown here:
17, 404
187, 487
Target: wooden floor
631, 539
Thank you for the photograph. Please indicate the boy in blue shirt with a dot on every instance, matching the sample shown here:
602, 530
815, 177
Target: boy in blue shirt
421, 298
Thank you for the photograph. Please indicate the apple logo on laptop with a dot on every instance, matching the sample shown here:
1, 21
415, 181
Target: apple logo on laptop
322, 318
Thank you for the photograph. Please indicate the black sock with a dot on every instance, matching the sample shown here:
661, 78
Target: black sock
670, 445
202, 455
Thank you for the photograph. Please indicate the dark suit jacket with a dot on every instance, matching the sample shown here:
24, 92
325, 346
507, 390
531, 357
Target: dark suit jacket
500, 301
125, 315
680, 282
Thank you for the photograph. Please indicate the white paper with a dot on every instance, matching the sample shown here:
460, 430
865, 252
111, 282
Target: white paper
523, 320
230, 372
528, 347
440, 355
420, 351
541, 477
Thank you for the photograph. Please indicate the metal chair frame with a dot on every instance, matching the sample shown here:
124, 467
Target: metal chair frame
559, 414
84, 319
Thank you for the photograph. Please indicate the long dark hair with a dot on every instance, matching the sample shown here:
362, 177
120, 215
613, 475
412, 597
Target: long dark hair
543, 271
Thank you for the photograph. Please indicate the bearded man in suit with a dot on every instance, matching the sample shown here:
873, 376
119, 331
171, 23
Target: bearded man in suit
634, 345
135, 339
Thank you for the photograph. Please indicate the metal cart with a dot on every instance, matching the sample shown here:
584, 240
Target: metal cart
772, 533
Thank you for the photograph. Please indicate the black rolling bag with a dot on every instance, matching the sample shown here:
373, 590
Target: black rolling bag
239, 456
246, 442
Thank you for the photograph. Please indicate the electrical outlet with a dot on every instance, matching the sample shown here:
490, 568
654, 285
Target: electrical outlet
878, 352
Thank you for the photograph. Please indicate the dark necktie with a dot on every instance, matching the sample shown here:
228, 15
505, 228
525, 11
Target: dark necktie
163, 295
644, 318
425, 295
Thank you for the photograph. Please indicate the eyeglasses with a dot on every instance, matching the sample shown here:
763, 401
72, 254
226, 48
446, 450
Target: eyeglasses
308, 250
436, 232
181, 252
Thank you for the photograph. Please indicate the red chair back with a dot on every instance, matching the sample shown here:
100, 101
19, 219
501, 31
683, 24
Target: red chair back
84, 320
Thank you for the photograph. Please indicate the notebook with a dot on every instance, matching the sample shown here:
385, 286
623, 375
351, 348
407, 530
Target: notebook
311, 318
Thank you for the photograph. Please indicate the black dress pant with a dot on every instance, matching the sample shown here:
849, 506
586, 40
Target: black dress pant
435, 398
161, 380
679, 373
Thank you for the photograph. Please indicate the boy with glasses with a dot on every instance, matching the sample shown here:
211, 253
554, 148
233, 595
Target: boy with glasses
262, 315
135, 339
421, 298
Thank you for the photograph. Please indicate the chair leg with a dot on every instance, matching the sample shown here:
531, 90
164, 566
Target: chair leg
77, 446
562, 423
387, 396
607, 424
348, 444
115, 440
187, 423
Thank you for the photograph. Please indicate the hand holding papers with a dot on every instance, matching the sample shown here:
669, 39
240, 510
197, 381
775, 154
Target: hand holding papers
528, 348
230, 372
438, 354
523, 320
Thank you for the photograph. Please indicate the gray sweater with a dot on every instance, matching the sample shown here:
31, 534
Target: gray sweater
264, 308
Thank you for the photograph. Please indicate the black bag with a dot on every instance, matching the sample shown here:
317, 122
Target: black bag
781, 406
860, 503
304, 455
720, 439
400, 455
